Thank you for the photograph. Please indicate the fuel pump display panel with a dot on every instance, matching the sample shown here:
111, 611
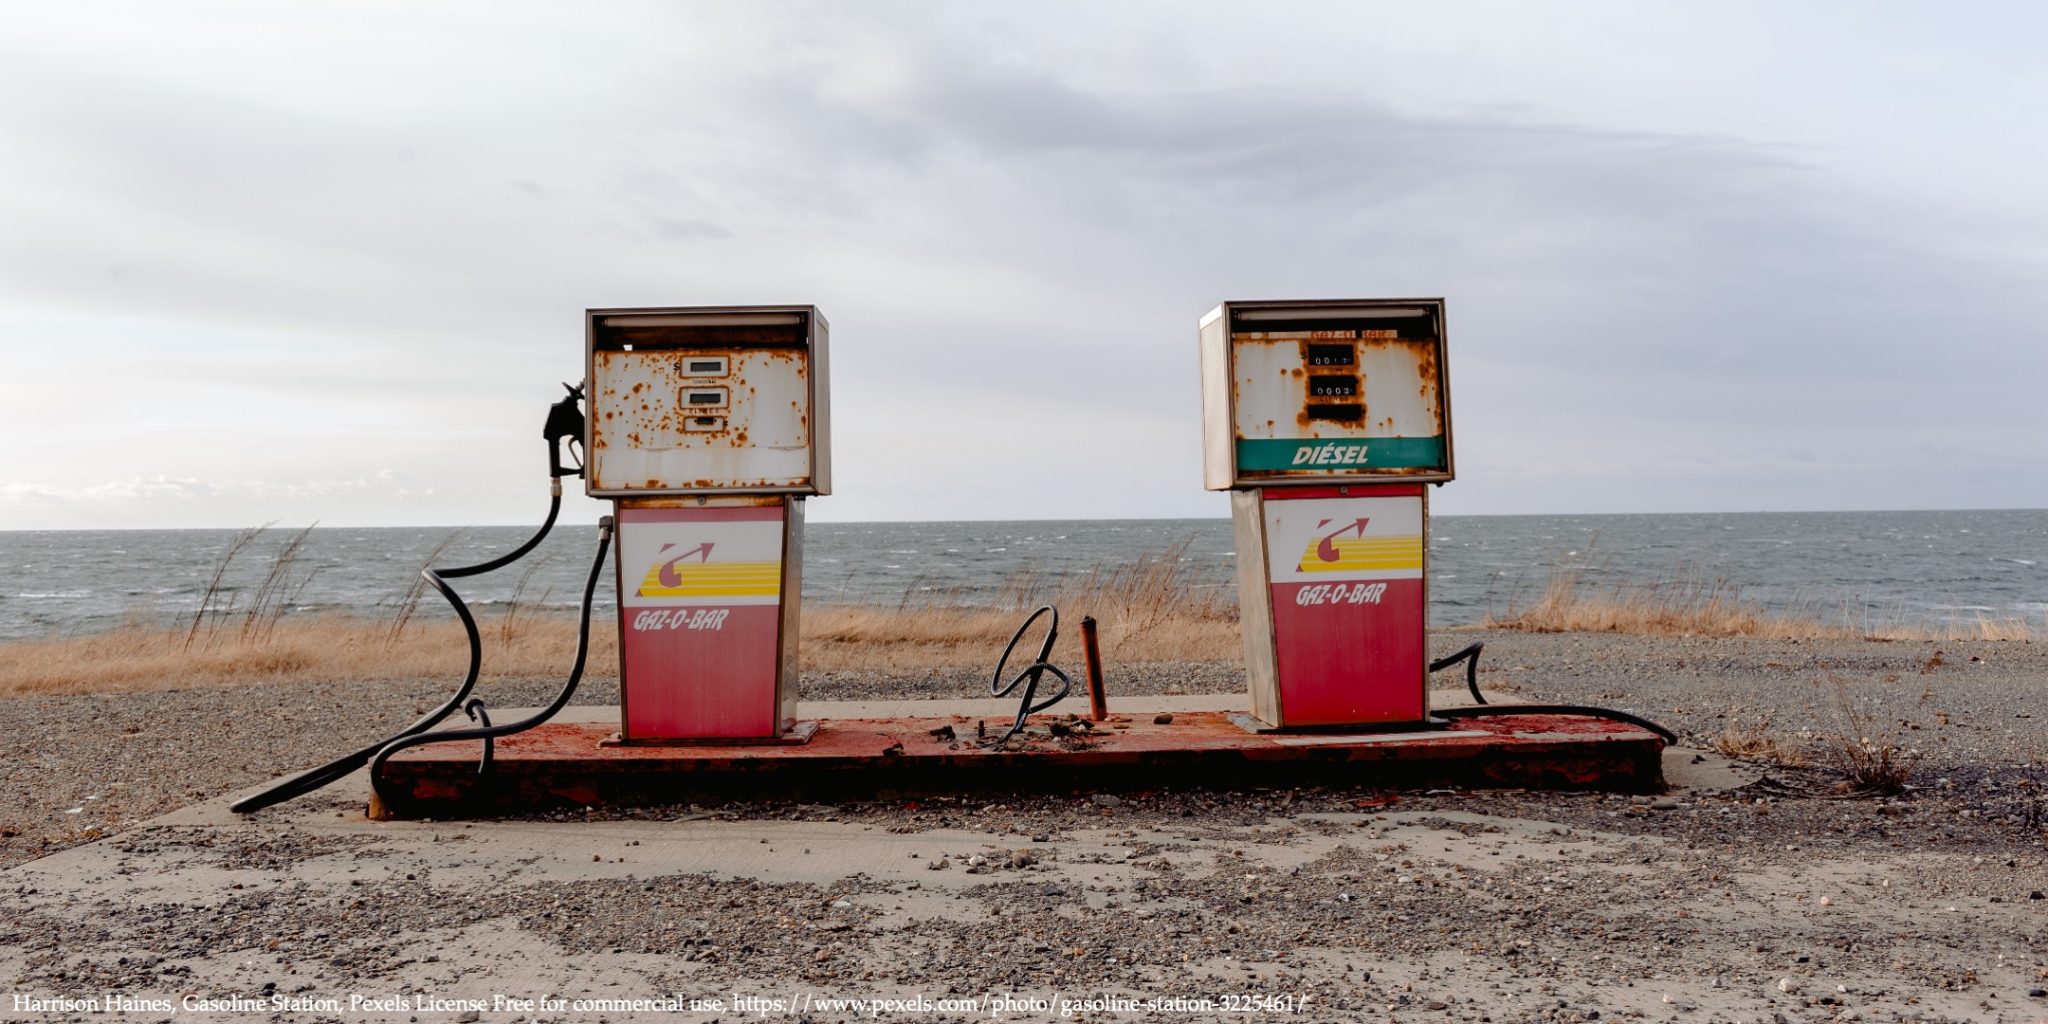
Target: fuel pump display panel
1299, 392
705, 400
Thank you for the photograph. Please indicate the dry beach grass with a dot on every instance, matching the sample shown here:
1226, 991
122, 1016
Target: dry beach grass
1568, 602
1150, 609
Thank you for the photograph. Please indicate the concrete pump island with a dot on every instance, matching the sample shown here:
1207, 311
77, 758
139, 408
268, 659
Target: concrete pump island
709, 428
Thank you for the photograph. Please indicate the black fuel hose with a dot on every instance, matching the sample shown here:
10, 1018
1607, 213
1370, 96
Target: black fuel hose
1470, 656
488, 732
1029, 675
1493, 710
339, 768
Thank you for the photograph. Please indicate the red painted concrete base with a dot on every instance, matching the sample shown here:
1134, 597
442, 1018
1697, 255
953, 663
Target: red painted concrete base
567, 765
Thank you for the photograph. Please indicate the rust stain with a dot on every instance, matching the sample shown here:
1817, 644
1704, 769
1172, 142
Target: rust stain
654, 379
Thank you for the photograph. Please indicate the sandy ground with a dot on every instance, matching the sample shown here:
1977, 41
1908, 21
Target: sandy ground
1748, 893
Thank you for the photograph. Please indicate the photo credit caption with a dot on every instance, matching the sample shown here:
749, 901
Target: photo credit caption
987, 1006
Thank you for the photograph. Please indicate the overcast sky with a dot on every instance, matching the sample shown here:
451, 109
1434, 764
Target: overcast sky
328, 262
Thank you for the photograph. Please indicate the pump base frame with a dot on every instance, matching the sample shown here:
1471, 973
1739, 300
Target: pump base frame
794, 736
859, 758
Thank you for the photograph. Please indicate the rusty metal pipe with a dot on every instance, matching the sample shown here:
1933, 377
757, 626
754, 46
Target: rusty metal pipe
1098, 702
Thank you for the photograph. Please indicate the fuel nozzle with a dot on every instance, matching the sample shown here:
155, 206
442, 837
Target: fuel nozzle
564, 433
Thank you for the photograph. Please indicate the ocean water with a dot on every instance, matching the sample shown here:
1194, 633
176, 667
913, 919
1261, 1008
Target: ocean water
1869, 568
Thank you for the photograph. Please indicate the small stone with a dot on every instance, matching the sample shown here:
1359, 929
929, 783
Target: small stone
1163, 718
1107, 800
1664, 804
2037, 993
1827, 901
1788, 985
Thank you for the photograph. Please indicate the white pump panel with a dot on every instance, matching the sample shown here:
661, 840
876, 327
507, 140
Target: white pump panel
707, 400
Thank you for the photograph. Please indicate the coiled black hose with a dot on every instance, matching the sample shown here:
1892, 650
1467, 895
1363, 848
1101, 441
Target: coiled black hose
341, 767
488, 732
1470, 656
1029, 675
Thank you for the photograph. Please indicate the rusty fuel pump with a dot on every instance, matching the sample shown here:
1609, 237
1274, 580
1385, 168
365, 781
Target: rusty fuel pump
709, 428
1328, 421
1325, 421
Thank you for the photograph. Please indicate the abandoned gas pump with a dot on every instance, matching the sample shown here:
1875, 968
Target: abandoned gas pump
1325, 421
707, 430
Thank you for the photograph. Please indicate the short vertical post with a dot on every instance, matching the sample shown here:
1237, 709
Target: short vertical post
1098, 703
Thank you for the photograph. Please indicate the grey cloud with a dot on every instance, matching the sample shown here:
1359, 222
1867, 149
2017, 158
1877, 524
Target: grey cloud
982, 219
687, 229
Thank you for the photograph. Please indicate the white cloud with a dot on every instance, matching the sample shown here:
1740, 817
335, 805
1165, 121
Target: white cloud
160, 488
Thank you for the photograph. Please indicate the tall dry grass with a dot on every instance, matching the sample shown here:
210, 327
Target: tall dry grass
1148, 609
1696, 605
279, 589
298, 649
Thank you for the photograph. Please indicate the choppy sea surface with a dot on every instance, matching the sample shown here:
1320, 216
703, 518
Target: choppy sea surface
1873, 569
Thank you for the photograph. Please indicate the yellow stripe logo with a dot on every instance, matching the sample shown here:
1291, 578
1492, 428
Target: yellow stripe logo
1334, 552
1352, 555
671, 578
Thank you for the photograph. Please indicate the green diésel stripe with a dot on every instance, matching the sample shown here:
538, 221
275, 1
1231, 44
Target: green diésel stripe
1361, 453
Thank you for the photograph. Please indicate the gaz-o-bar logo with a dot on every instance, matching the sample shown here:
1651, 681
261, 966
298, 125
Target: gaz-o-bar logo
677, 576
1335, 552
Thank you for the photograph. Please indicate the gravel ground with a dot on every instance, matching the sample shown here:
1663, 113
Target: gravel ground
91, 764
1778, 900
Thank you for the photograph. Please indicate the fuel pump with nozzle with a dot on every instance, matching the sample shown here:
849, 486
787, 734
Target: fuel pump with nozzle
1327, 421
709, 427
